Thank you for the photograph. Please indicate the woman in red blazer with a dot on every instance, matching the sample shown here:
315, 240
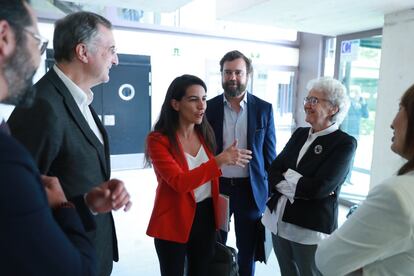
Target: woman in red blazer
184, 218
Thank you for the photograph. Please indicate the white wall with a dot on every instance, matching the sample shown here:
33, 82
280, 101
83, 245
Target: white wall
199, 55
396, 75
310, 59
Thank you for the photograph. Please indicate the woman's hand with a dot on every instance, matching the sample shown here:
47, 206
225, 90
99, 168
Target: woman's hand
234, 156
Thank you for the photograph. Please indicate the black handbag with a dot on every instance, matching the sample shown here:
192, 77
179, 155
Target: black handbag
224, 262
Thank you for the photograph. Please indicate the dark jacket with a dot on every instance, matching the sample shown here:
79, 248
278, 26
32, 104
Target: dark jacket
34, 241
261, 140
324, 169
63, 145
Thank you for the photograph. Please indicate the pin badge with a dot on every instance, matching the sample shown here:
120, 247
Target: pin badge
318, 149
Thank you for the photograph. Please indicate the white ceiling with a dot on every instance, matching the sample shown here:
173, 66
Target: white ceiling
327, 17
146, 5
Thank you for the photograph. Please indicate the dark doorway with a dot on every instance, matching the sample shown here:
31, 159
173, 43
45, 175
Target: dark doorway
124, 106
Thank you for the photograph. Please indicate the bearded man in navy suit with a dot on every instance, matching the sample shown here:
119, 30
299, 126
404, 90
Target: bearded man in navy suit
238, 115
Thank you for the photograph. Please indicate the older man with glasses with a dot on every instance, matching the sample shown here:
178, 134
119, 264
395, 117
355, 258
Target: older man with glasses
64, 134
41, 232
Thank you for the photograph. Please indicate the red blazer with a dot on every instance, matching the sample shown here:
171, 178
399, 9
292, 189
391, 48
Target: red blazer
174, 205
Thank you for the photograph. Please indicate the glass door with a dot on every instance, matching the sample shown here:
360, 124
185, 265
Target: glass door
276, 86
359, 72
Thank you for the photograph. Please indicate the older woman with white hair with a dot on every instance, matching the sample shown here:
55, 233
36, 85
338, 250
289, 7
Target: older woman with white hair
306, 177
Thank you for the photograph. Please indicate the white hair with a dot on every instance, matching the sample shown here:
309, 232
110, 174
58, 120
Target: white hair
335, 92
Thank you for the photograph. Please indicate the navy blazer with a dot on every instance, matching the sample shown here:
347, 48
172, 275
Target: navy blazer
261, 140
324, 167
63, 145
34, 241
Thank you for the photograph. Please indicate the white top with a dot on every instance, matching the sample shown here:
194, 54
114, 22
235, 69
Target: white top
235, 127
378, 236
5, 111
3, 108
290, 231
203, 191
82, 98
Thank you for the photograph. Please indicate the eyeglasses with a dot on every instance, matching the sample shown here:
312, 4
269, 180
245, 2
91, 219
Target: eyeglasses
42, 41
112, 49
229, 73
313, 100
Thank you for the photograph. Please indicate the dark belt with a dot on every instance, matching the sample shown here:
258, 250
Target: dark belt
234, 181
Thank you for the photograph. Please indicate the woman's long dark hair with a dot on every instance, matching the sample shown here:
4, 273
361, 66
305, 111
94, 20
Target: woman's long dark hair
168, 122
407, 101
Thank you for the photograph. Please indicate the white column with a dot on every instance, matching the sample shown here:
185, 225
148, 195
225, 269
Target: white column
310, 67
396, 75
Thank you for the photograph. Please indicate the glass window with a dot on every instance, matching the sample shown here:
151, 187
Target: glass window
359, 72
276, 87
197, 16
329, 64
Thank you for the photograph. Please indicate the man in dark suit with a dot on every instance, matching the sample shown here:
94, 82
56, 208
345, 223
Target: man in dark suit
237, 114
33, 239
63, 132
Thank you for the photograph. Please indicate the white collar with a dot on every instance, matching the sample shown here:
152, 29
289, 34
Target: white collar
332, 128
81, 97
5, 111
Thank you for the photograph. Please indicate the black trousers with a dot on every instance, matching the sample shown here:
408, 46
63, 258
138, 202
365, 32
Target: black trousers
199, 249
246, 214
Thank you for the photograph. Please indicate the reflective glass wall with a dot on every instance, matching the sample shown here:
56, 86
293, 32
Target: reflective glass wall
357, 64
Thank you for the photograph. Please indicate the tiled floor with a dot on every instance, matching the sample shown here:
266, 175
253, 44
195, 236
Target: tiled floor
137, 253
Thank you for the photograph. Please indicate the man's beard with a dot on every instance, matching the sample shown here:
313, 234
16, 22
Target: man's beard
231, 91
19, 75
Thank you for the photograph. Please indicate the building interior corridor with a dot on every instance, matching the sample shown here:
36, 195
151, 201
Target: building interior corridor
136, 249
